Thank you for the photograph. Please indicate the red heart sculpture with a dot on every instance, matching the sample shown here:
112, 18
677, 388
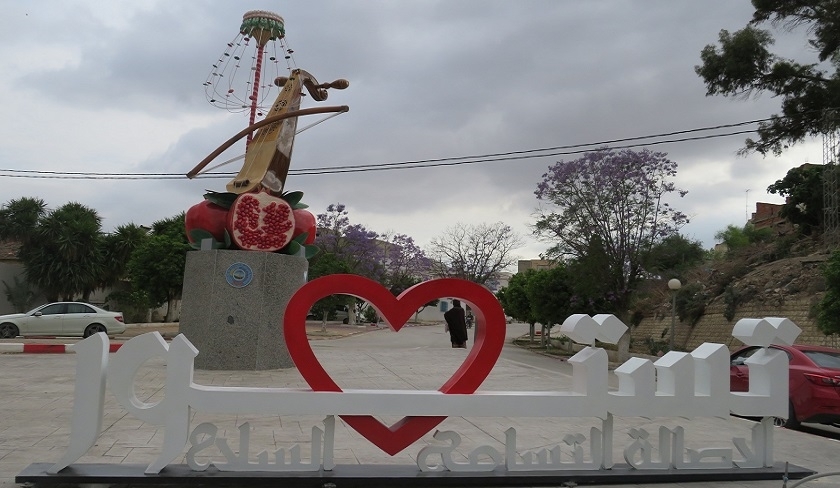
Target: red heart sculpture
489, 339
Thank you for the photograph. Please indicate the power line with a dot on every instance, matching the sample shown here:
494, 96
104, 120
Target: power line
554, 151
556, 148
446, 162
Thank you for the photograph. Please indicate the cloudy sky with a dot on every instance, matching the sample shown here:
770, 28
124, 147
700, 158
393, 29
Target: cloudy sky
116, 88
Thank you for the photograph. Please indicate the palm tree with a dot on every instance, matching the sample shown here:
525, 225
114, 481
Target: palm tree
19, 217
65, 257
172, 227
156, 265
118, 248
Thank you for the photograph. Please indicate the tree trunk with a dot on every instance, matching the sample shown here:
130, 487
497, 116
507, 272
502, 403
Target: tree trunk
624, 347
169, 309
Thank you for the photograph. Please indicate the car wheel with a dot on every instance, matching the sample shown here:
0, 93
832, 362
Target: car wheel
8, 331
93, 329
789, 423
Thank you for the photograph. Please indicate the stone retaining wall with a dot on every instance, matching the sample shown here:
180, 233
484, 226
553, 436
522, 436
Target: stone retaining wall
713, 326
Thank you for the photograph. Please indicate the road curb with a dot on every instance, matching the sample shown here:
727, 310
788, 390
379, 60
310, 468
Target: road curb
19, 348
28, 348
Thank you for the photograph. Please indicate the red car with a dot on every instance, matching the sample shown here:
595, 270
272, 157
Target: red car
814, 382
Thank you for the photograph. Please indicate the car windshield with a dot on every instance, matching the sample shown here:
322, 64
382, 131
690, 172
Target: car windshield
824, 359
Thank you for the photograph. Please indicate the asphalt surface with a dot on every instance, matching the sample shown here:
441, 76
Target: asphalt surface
36, 397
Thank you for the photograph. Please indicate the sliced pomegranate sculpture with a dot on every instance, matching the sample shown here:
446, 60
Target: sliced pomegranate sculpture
260, 222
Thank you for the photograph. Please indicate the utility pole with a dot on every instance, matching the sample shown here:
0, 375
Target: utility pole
747, 204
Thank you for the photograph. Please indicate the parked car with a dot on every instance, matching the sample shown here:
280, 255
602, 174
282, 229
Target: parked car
342, 314
62, 319
814, 382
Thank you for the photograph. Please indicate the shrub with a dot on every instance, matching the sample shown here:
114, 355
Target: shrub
691, 303
828, 317
20, 294
134, 305
655, 347
370, 315
814, 308
636, 318
783, 246
731, 297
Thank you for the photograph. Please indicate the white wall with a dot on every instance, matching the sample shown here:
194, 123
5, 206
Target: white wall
8, 272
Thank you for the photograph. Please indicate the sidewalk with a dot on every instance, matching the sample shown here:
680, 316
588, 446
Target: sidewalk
37, 397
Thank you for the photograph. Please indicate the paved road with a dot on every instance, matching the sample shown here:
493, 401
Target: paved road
36, 400
423, 339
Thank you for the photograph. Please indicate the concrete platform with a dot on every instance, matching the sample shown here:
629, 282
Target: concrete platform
390, 476
37, 395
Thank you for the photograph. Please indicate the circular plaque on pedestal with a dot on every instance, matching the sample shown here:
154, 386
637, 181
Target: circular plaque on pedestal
239, 275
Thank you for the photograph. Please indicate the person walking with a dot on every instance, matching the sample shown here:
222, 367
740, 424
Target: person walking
457, 325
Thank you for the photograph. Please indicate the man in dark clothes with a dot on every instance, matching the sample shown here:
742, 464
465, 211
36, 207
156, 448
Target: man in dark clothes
457, 325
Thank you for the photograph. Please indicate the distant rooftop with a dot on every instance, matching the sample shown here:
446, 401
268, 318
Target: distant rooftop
8, 250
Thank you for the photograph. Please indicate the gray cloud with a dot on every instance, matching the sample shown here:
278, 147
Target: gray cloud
428, 80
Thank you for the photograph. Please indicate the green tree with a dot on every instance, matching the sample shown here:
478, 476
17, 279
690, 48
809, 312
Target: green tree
156, 268
172, 227
514, 299
64, 258
19, 217
674, 255
18, 220
737, 238
742, 64
733, 236
118, 248
828, 317
802, 188
323, 264
550, 294
593, 290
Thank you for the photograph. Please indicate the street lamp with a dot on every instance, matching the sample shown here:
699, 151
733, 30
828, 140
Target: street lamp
674, 284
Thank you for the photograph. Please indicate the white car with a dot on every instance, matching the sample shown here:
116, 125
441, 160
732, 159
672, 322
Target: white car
62, 319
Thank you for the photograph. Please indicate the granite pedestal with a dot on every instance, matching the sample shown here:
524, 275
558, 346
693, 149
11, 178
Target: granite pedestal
233, 304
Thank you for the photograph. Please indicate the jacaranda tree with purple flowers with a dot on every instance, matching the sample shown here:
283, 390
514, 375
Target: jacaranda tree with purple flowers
345, 248
616, 199
405, 263
394, 260
353, 244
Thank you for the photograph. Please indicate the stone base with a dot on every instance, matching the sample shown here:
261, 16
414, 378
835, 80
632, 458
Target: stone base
233, 304
394, 475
